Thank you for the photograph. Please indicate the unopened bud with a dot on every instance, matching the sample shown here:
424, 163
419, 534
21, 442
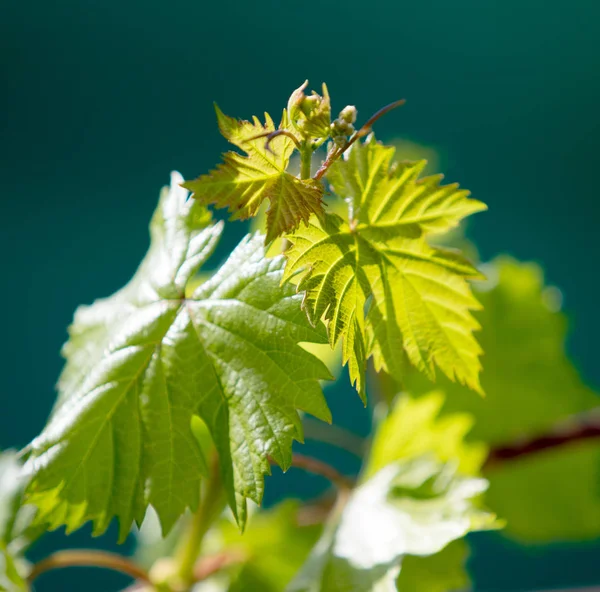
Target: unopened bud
310, 115
340, 127
348, 114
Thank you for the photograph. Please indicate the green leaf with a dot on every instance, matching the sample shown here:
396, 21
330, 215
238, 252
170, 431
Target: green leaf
143, 362
412, 508
242, 183
551, 495
413, 428
274, 546
442, 572
417, 298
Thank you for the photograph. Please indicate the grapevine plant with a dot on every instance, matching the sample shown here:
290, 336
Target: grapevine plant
182, 390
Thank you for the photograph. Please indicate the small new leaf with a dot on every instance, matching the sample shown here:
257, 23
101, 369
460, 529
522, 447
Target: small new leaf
242, 183
143, 362
412, 508
417, 298
310, 115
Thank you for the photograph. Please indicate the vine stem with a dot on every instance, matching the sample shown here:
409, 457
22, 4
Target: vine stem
88, 558
305, 160
208, 510
213, 564
318, 467
336, 152
578, 428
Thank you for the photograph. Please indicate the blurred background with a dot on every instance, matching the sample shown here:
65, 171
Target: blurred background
101, 100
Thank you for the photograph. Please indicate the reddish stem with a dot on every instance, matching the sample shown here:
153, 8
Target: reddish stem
579, 428
88, 558
318, 467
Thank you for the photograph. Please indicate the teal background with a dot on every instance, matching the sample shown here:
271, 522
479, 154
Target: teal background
100, 100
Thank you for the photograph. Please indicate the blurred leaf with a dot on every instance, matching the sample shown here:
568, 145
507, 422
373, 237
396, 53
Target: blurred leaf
412, 508
242, 183
274, 545
550, 495
142, 363
413, 428
150, 544
530, 386
11, 579
443, 572
409, 150
529, 381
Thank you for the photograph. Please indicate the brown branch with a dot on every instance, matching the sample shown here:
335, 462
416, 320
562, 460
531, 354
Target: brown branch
88, 558
272, 135
334, 435
211, 564
315, 513
579, 428
318, 467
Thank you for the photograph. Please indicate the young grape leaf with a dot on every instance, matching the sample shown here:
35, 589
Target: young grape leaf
242, 183
143, 362
408, 508
414, 428
310, 115
417, 298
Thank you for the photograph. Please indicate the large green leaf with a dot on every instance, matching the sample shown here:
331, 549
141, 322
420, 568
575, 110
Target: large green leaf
143, 362
412, 508
417, 298
242, 183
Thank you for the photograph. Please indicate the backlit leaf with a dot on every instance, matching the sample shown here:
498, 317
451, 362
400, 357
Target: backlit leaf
416, 297
242, 183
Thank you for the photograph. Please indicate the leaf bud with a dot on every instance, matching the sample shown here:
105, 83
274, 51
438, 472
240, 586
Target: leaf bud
348, 114
310, 114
